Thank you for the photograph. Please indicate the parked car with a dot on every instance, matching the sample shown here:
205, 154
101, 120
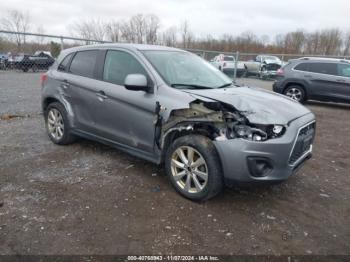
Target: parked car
264, 66
226, 64
172, 107
316, 79
3, 61
41, 61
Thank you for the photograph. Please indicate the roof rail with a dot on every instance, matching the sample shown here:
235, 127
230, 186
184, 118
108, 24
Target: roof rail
325, 59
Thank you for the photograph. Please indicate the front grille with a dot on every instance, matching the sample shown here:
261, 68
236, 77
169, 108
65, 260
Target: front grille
273, 67
303, 142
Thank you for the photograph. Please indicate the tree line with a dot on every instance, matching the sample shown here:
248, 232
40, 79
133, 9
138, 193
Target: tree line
147, 29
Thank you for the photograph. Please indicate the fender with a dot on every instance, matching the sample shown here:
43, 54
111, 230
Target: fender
46, 99
296, 81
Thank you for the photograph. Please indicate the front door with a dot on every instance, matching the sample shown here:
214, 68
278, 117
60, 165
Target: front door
125, 116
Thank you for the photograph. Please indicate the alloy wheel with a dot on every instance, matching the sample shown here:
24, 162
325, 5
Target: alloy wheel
55, 124
295, 94
189, 169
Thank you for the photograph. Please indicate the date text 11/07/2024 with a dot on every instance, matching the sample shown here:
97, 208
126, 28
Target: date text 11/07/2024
172, 258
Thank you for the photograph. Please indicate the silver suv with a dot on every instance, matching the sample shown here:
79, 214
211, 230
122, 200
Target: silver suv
169, 106
313, 78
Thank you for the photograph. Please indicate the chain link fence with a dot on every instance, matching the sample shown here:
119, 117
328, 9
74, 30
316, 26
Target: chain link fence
28, 52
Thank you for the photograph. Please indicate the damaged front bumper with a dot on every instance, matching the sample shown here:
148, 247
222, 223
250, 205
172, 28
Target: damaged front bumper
269, 73
247, 161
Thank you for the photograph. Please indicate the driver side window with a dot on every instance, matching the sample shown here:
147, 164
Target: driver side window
344, 70
119, 64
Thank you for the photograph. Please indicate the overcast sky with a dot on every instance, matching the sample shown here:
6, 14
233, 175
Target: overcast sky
216, 17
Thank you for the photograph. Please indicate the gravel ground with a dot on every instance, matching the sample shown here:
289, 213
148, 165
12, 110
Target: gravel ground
91, 199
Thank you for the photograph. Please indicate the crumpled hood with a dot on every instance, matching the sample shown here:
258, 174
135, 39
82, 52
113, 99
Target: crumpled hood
259, 106
271, 61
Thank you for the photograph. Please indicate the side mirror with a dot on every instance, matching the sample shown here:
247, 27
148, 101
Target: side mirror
136, 82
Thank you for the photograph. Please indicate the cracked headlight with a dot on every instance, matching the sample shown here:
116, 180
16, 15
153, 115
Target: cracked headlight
277, 129
250, 133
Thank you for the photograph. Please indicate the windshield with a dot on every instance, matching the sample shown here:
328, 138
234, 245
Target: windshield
186, 70
228, 58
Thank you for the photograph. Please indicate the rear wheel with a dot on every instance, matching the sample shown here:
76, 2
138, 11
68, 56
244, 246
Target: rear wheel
57, 124
295, 92
193, 167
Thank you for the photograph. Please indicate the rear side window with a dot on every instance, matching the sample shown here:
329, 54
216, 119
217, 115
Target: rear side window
83, 63
344, 70
302, 67
65, 63
118, 65
323, 68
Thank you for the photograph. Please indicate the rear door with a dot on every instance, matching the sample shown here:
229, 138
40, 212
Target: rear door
322, 79
80, 86
344, 81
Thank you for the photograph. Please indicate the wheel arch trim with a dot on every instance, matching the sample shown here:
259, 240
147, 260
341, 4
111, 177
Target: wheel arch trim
46, 101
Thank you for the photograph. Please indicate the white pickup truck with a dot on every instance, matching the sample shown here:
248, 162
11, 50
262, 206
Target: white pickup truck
264, 66
226, 64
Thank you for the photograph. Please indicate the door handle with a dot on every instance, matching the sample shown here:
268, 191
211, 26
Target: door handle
101, 95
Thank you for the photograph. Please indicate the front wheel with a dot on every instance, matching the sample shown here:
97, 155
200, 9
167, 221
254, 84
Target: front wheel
262, 73
193, 167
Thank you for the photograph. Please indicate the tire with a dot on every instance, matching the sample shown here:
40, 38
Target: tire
203, 149
53, 127
295, 92
261, 75
246, 72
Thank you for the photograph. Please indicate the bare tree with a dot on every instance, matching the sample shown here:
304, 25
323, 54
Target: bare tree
170, 36
113, 31
138, 26
294, 42
186, 34
331, 41
17, 21
346, 49
312, 43
127, 32
94, 29
152, 24
40, 30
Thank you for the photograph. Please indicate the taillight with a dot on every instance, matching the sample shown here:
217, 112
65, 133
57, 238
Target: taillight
43, 79
280, 72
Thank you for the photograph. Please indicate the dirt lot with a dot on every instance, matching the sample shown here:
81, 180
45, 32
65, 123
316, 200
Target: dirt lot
91, 199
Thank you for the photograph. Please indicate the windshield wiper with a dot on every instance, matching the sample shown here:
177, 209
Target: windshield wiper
192, 85
225, 85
